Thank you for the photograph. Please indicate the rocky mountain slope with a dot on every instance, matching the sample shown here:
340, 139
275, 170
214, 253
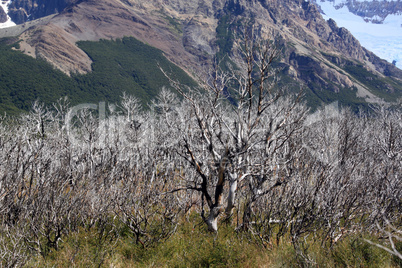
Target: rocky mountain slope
315, 52
3, 15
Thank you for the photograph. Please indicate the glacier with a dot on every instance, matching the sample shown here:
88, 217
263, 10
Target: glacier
385, 39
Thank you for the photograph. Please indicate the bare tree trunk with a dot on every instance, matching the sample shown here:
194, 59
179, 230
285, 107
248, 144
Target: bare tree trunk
212, 220
231, 196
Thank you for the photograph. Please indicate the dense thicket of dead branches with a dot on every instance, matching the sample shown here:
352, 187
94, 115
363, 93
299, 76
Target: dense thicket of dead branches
101, 173
326, 174
235, 150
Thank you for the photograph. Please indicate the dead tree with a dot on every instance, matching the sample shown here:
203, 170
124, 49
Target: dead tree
233, 117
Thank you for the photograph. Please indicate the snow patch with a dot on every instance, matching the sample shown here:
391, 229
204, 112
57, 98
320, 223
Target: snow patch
4, 4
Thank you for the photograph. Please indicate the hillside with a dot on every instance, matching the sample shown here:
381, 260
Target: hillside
317, 54
116, 68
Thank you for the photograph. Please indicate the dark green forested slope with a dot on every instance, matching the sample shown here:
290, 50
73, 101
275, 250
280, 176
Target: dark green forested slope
127, 65
24, 79
123, 65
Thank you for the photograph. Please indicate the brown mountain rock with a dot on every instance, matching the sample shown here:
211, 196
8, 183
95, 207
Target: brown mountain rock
186, 30
3, 15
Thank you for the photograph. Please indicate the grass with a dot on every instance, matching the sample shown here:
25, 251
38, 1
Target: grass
193, 246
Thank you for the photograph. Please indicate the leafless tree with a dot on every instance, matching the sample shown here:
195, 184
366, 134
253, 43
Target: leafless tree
239, 144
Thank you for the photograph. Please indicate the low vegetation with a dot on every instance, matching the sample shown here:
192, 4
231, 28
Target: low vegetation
193, 246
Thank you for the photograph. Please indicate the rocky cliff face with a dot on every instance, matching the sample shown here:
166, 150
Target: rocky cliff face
21, 11
3, 15
191, 32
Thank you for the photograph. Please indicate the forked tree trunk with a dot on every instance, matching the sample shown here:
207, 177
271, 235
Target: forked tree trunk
212, 220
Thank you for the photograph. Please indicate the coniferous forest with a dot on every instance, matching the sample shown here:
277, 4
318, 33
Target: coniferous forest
122, 65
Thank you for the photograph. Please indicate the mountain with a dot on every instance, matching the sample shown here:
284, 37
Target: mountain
328, 60
21, 11
376, 24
